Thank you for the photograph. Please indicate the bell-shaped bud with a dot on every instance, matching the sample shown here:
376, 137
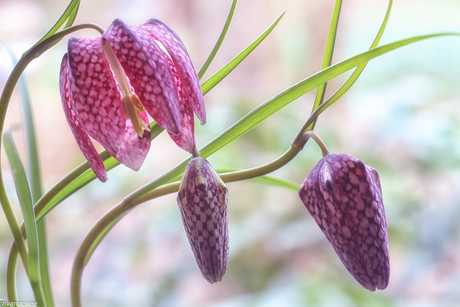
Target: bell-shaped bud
202, 200
345, 199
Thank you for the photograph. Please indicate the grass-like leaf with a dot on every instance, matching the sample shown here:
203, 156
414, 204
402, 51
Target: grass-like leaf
36, 187
327, 59
68, 15
34, 180
78, 178
223, 72
25, 200
221, 38
355, 75
248, 122
72, 16
274, 104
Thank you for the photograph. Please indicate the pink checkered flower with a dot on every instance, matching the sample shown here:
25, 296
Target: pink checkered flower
345, 199
202, 200
110, 84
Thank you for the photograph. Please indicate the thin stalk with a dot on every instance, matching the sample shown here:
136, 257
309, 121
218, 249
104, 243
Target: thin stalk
36, 188
5, 98
4, 199
216, 48
11, 273
327, 59
136, 198
350, 81
25, 201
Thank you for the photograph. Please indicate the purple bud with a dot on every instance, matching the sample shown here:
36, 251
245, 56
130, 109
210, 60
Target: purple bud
345, 199
202, 200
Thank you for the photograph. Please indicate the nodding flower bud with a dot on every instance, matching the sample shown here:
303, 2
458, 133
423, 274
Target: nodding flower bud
345, 199
202, 200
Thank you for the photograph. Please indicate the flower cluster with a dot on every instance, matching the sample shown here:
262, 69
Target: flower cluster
110, 84
345, 199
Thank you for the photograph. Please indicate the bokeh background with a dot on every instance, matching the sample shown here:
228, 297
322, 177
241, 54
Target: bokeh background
401, 117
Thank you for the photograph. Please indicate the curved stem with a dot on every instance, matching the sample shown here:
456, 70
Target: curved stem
136, 198
5, 98
312, 134
80, 258
42, 47
4, 199
11, 273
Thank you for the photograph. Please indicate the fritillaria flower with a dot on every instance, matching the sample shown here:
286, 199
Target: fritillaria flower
345, 199
109, 84
202, 200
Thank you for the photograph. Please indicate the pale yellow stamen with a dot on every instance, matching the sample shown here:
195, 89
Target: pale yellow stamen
131, 103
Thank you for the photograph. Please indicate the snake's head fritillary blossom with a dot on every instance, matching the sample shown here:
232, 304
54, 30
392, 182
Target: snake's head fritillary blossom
202, 200
345, 199
110, 84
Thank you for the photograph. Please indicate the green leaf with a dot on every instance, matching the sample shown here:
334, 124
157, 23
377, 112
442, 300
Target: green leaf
25, 200
274, 104
221, 38
72, 16
69, 14
327, 59
36, 187
223, 72
34, 181
355, 75
75, 180
78, 178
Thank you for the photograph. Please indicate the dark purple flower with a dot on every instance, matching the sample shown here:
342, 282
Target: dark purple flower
345, 199
202, 200
110, 83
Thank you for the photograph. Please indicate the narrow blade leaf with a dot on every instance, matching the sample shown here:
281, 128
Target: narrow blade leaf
223, 72
25, 200
221, 38
327, 59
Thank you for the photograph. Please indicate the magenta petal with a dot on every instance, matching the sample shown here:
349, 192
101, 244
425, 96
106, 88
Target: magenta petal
186, 138
95, 95
83, 141
133, 149
176, 49
147, 68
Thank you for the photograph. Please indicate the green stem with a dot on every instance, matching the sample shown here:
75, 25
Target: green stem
138, 197
44, 266
318, 140
5, 202
79, 263
11, 273
5, 98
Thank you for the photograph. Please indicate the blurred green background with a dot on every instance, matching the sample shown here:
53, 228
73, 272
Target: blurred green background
401, 117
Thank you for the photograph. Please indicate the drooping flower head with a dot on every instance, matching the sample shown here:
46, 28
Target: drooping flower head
110, 83
202, 201
345, 199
